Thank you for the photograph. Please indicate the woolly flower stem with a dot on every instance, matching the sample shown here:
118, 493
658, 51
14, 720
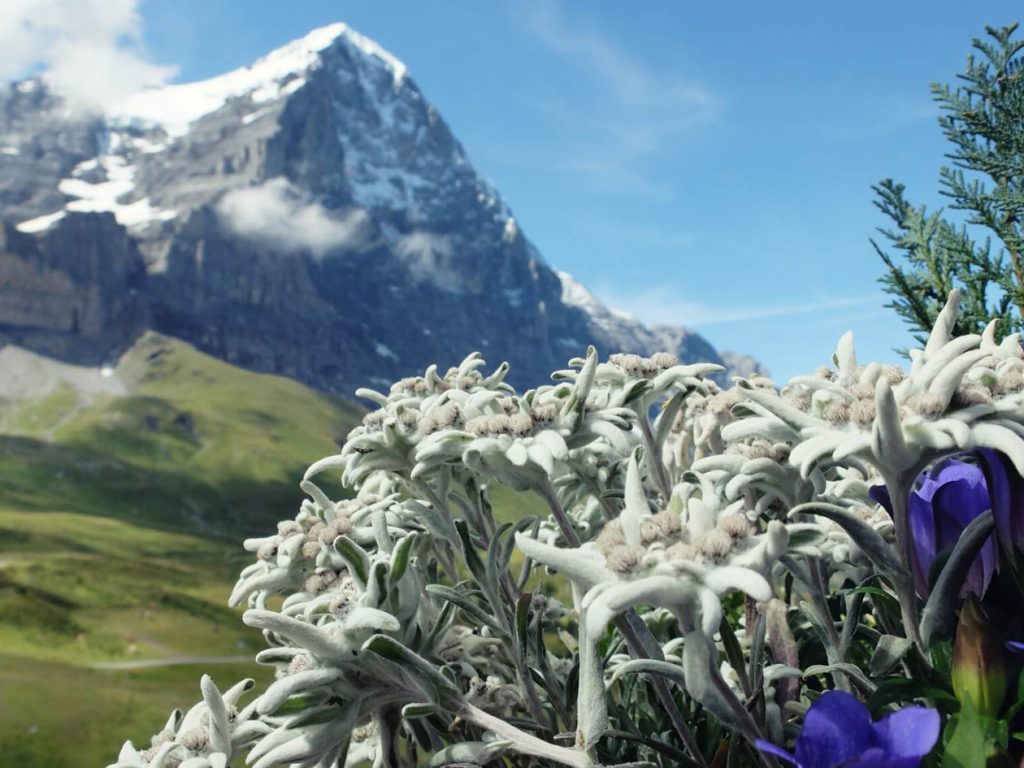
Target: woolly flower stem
654, 457
547, 492
635, 632
523, 742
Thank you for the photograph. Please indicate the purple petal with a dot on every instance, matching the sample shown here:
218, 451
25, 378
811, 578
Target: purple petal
953, 469
921, 516
880, 495
1016, 646
926, 487
958, 502
837, 727
911, 732
771, 749
873, 758
1007, 495
955, 505
877, 759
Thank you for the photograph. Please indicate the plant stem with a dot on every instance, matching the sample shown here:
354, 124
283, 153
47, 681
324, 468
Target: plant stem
642, 645
654, 457
523, 742
547, 492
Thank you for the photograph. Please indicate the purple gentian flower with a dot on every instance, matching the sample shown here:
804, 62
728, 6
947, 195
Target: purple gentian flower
948, 496
838, 732
1006, 491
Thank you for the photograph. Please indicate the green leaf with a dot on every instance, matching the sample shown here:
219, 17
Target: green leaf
294, 705
391, 649
734, 653
400, 557
803, 538
900, 690
473, 561
941, 653
423, 709
523, 619
973, 740
494, 552
355, 557
851, 670
888, 653
316, 716
465, 602
937, 619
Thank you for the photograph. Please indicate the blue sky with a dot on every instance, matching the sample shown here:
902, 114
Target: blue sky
707, 164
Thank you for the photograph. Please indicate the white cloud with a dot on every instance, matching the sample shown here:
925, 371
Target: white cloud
90, 51
661, 306
278, 213
428, 256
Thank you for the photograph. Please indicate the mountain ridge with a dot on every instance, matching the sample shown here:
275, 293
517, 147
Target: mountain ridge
310, 215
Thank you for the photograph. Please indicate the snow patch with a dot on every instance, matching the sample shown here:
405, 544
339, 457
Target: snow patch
9, 151
278, 74
105, 196
252, 117
575, 294
511, 231
86, 166
40, 223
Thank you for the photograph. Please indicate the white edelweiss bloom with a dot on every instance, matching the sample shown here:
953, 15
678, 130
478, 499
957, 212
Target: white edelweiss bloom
508, 445
680, 562
301, 554
950, 401
364, 746
209, 735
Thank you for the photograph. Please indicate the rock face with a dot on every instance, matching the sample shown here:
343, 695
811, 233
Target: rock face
310, 215
73, 291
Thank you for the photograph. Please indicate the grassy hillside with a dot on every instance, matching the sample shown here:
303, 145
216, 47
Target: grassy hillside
121, 518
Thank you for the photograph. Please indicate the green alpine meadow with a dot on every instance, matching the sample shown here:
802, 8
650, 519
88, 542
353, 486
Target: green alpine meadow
119, 539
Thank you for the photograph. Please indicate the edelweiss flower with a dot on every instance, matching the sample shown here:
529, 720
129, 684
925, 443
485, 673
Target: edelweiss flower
682, 562
209, 735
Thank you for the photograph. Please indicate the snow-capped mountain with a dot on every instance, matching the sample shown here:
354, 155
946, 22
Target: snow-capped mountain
310, 215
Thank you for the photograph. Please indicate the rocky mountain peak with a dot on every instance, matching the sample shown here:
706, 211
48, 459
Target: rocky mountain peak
310, 214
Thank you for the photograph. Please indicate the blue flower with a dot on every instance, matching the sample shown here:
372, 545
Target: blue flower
838, 733
1006, 491
947, 498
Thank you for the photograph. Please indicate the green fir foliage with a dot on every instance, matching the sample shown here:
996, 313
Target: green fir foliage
929, 253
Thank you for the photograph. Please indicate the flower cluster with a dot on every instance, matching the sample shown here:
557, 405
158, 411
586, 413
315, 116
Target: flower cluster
636, 565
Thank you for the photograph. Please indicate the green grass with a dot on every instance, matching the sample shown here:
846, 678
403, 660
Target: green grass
121, 521
55, 715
